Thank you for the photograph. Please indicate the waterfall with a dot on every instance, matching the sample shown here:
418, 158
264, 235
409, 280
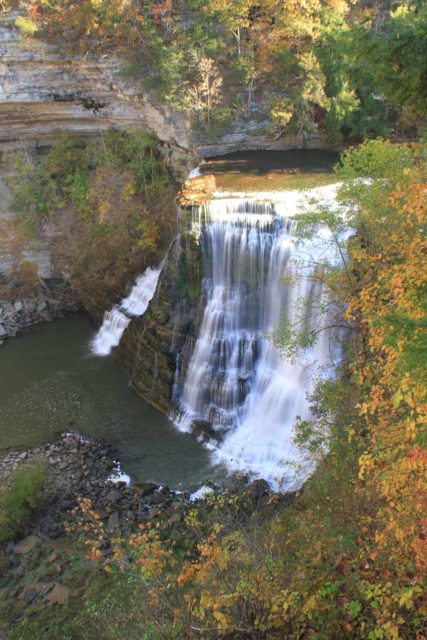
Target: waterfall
257, 275
110, 332
117, 319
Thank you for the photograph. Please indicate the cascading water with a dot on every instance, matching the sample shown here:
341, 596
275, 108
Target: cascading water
237, 380
109, 334
117, 319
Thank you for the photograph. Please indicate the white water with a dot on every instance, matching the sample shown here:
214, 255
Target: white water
237, 380
201, 493
194, 173
117, 319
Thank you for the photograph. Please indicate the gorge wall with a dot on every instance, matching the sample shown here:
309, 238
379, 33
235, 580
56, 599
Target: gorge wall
42, 91
155, 348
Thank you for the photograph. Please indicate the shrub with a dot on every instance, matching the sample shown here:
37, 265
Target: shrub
26, 25
18, 503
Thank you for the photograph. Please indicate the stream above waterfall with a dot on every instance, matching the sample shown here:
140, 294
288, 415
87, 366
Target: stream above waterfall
272, 170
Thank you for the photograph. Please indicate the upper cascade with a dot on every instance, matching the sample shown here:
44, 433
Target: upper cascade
258, 277
117, 319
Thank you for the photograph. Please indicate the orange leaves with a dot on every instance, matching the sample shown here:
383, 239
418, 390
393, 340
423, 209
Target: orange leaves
392, 273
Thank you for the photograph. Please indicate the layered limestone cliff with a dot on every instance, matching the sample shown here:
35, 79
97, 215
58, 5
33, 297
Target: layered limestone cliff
42, 91
255, 134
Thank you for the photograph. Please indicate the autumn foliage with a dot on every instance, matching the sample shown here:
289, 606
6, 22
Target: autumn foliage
347, 68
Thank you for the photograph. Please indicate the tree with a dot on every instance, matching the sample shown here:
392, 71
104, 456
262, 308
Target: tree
206, 93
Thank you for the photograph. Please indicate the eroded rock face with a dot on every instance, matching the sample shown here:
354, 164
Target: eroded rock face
42, 91
256, 136
155, 348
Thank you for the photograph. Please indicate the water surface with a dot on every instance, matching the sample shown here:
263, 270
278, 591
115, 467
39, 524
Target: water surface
49, 382
272, 170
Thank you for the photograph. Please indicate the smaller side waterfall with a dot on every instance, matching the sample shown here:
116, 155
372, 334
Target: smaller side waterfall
110, 332
117, 319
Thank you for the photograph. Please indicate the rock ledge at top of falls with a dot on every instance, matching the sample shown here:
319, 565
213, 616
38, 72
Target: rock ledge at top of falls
197, 190
256, 135
41, 91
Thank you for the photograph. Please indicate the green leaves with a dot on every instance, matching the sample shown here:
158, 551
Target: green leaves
355, 608
18, 502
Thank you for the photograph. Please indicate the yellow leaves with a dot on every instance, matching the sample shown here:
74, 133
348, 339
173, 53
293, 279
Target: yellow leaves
26, 25
363, 408
351, 434
221, 619
365, 464
411, 428
282, 111
408, 595
310, 604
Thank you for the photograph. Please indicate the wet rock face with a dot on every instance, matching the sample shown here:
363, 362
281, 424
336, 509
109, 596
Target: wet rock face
155, 348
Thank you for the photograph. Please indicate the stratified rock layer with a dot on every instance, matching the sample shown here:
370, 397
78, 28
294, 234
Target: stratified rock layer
41, 91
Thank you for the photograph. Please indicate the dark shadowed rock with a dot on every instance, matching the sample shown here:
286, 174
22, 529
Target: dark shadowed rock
114, 520
144, 489
258, 490
113, 496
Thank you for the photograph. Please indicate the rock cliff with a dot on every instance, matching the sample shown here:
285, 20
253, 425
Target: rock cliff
155, 348
41, 91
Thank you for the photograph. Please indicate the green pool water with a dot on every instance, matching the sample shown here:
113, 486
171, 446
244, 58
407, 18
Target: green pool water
50, 382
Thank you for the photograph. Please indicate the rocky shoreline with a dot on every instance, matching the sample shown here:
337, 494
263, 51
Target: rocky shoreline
83, 468
35, 569
52, 300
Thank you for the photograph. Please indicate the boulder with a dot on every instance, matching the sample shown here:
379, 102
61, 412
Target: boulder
26, 545
60, 594
113, 496
144, 489
258, 490
34, 589
114, 520
197, 190
29, 595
